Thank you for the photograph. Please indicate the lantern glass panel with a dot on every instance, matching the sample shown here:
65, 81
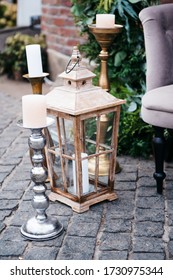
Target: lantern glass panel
61, 161
82, 167
99, 146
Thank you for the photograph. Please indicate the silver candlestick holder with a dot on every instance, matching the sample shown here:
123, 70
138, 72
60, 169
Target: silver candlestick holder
40, 227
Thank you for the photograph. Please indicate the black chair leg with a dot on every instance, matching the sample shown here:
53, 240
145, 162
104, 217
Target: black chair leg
159, 152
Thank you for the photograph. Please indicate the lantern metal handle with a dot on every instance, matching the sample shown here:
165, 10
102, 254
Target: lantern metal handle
75, 59
71, 69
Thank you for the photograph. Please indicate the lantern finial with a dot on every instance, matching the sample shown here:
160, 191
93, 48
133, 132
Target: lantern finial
76, 56
74, 60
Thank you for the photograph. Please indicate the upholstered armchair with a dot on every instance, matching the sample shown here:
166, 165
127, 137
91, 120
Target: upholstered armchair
157, 102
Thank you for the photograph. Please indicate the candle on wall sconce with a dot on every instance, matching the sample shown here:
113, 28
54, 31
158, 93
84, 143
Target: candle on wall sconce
85, 176
34, 62
105, 20
34, 111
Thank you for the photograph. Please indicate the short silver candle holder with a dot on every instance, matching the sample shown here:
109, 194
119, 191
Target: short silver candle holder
40, 227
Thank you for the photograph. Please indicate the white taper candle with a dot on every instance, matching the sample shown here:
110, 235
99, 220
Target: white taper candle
34, 62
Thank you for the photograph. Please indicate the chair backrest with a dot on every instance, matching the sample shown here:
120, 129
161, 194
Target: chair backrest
157, 24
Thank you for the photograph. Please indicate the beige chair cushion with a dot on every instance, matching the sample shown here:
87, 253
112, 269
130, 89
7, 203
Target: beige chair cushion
157, 107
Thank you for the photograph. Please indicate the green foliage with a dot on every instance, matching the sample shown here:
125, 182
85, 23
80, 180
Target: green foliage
13, 57
8, 13
126, 65
135, 135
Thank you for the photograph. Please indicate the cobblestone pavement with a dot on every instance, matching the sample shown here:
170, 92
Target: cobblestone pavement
138, 225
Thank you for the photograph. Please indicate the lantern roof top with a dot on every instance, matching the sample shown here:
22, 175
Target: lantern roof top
78, 95
75, 71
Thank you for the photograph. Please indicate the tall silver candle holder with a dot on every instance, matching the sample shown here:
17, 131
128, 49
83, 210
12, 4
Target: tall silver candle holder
40, 227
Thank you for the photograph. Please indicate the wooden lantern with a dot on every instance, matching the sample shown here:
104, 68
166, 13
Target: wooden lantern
75, 161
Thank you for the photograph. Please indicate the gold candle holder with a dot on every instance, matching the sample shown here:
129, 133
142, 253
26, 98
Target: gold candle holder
36, 82
104, 37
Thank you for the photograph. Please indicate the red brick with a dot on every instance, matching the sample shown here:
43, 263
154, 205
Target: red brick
58, 25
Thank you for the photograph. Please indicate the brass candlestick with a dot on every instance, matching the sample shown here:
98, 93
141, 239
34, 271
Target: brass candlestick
36, 82
104, 37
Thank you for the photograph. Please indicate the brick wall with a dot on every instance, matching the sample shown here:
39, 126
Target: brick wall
57, 24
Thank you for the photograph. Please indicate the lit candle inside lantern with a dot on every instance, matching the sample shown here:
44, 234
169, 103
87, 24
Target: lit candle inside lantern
105, 20
85, 177
34, 111
34, 62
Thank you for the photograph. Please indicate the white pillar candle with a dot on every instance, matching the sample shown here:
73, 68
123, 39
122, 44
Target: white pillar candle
34, 111
105, 20
34, 62
85, 177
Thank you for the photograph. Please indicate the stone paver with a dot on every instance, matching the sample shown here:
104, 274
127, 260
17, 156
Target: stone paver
138, 225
